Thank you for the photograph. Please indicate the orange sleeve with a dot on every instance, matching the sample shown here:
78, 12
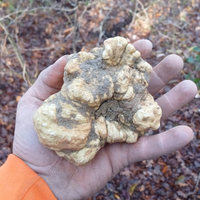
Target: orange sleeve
18, 181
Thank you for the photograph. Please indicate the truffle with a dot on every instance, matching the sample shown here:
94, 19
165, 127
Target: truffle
104, 99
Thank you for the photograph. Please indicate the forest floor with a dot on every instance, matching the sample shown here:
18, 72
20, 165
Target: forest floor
34, 34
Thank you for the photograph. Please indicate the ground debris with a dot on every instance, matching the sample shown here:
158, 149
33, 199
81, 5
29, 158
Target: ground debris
42, 39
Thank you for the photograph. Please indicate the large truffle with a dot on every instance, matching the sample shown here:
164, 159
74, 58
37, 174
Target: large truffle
104, 99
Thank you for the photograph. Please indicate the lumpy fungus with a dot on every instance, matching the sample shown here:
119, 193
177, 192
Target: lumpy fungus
104, 99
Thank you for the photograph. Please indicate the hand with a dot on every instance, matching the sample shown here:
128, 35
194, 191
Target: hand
70, 182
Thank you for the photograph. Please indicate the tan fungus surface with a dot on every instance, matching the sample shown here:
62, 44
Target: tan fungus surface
104, 99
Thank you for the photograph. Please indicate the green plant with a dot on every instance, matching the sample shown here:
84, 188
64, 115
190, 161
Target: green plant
195, 80
194, 59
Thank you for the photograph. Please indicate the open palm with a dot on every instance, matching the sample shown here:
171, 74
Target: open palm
70, 182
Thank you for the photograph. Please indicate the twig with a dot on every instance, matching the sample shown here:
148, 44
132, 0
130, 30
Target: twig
133, 15
67, 16
101, 31
198, 179
25, 74
143, 9
71, 3
71, 25
75, 27
3, 46
35, 9
10, 68
36, 49
86, 7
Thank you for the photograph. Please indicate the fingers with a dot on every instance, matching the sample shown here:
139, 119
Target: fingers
166, 70
148, 147
144, 47
178, 96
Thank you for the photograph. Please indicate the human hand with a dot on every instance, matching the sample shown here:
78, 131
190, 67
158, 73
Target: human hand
70, 182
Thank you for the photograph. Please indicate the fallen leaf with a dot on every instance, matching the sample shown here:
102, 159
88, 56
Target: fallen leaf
126, 172
142, 188
17, 98
182, 194
132, 188
182, 184
180, 179
117, 197
4, 5
68, 30
165, 169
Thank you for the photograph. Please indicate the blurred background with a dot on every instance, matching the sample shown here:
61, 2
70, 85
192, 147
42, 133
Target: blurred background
34, 34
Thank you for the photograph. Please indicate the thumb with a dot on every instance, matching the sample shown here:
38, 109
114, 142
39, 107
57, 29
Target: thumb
49, 81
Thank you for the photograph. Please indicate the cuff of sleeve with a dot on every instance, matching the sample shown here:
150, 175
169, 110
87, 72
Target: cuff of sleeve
19, 181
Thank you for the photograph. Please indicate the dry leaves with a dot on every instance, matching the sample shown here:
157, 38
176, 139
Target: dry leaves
43, 38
